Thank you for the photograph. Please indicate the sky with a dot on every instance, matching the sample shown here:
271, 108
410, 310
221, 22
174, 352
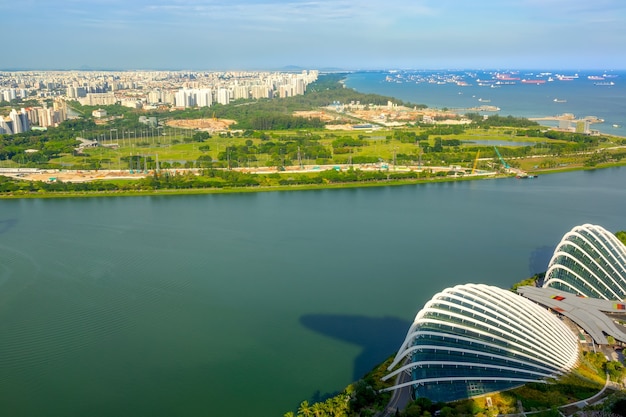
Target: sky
313, 34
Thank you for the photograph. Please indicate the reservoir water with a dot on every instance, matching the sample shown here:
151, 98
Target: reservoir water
246, 304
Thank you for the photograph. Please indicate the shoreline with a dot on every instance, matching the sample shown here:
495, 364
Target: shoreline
236, 190
278, 188
604, 124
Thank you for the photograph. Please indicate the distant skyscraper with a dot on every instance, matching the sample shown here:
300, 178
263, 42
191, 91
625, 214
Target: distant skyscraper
16, 120
60, 110
45, 117
241, 91
98, 99
23, 115
155, 97
260, 91
223, 96
4, 127
33, 116
204, 97
183, 98
285, 91
298, 86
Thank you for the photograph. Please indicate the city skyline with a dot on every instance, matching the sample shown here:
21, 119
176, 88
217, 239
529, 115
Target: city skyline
273, 34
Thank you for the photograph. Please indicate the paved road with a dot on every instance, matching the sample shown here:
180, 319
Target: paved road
400, 397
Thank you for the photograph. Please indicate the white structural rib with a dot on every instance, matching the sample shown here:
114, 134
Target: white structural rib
461, 379
560, 255
590, 261
477, 332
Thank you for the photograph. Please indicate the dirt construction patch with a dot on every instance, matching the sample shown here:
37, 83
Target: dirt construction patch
79, 176
211, 125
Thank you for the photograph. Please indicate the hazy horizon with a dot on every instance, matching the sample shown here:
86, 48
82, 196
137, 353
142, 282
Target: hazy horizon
296, 68
219, 35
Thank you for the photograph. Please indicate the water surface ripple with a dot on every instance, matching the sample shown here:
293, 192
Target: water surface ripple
246, 304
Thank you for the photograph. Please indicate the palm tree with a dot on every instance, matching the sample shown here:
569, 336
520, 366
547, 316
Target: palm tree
305, 410
337, 406
319, 409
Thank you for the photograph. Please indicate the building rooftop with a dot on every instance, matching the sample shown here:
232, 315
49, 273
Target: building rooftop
597, 317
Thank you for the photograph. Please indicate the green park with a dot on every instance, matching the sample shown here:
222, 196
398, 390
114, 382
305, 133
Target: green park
267, 146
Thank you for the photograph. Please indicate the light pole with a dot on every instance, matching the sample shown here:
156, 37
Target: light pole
111, 135
159, 134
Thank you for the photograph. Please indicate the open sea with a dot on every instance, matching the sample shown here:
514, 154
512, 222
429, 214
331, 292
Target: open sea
592, 93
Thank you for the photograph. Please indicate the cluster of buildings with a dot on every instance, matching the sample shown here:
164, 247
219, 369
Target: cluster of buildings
37, 117
139, 89
17, 122
476, 339
204, 94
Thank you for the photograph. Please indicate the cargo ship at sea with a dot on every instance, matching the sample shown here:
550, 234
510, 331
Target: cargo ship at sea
563, 91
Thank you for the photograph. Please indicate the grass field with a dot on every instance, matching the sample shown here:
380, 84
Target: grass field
377, 144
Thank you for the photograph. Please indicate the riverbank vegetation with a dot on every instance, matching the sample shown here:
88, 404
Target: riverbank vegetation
360, 399
214, 181
363, 398
551, 399
267, 135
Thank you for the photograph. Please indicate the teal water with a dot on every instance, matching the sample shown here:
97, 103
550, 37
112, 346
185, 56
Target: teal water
581, 96
246, 304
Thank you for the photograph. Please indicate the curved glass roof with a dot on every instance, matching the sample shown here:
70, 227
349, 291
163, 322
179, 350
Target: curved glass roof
589, 261
473, 339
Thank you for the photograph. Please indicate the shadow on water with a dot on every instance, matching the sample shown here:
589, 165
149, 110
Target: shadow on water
539, 259
6, 225
380, 337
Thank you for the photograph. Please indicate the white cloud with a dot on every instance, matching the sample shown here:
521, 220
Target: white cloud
585, 11
294, 11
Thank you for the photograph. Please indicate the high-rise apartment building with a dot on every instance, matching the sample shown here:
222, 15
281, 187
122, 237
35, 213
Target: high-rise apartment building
223, 96
98, 99
241, 91
5, 128
16, 121
204, 97
260, 91
185, 98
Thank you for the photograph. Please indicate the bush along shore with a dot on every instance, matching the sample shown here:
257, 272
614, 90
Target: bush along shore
215, 181
555, 399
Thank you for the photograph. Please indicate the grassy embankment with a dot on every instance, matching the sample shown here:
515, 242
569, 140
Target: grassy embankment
227, 190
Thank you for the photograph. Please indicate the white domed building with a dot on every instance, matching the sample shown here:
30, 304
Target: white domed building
589, 261
474, 339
